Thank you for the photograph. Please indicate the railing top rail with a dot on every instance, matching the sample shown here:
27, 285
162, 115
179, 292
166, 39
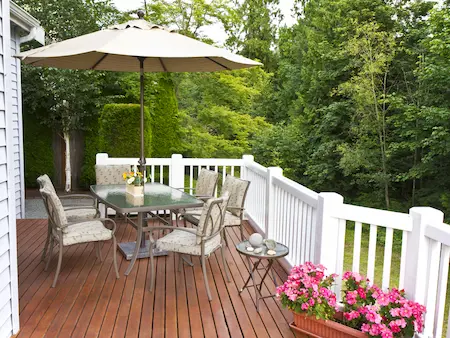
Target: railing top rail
297, 190
256, 167
132, 161
439, 233
213, 161
388, 219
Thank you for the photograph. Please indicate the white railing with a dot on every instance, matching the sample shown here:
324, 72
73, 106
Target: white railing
323, 229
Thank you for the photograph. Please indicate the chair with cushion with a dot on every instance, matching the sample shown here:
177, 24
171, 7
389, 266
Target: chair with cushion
110, 174
74, 213
64, 233
237, 188
204, 189
202, 241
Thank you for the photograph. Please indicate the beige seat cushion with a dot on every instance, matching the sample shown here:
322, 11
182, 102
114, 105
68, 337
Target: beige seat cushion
76, 215
91, 231
186, 243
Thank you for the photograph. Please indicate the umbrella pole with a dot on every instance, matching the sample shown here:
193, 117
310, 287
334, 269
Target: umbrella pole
142, 159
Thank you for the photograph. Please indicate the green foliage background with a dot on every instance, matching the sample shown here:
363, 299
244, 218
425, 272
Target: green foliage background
119, 130
38, 152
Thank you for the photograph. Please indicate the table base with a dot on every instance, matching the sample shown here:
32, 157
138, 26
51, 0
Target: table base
127, 250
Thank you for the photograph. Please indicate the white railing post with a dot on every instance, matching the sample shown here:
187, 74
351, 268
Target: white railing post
327, 231
270, 200
176, 169
101, 158
417, 249
246, 159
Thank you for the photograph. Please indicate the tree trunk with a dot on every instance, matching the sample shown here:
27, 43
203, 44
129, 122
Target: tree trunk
68, 168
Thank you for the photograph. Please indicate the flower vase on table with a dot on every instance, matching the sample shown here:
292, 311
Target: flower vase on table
134, 182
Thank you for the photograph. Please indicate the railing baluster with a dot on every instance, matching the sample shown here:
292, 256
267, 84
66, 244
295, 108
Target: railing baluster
442, 290
372, 253
357, 246
387, 259
401, 280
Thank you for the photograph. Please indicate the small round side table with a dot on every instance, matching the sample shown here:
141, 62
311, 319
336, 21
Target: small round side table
281, 251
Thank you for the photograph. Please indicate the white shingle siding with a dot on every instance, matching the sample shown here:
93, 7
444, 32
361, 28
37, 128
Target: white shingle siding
11, 173
16, 100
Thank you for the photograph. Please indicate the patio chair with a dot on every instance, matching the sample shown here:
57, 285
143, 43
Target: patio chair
110, 174
73, 213
65, 233
237, 188
202, 241
204, 189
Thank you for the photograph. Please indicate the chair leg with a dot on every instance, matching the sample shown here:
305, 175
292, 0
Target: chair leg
47, 241
58, 269
152, 269
205, 278
50, 252
225, 266
225, 236
242, 232
115, 256
98, 246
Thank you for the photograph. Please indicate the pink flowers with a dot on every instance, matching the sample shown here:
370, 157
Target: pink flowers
382, 314
307, 290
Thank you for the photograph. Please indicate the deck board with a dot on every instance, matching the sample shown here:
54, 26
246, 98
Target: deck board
89, 301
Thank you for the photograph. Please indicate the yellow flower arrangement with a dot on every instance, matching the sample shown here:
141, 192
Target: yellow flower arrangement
135, 178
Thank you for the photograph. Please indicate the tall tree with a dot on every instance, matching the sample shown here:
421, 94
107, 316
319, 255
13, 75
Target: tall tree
67, 98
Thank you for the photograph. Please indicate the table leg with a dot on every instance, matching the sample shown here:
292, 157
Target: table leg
269, 267
140, 239
255, 266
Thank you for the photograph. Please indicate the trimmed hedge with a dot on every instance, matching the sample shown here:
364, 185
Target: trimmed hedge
165, 121
38, 151
119, 130
91, 148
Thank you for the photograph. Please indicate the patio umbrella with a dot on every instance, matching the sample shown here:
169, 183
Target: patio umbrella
136, 46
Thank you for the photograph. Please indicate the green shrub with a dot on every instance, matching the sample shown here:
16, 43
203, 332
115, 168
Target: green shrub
38, 150
119, 131
165, 121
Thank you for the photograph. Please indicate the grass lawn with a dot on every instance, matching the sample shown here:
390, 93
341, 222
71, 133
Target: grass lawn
395, 261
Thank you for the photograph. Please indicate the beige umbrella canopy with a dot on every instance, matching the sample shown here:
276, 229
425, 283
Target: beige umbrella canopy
136, 46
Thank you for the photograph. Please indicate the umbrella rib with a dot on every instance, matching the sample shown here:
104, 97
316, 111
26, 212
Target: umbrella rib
100, 60
162, 64
218, 63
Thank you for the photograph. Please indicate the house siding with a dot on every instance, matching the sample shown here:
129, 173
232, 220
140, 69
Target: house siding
11, 166
16, 111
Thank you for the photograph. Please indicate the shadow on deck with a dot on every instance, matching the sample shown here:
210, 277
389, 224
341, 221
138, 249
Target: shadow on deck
88, 301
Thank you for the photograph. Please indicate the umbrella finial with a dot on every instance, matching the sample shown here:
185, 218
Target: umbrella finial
140, 14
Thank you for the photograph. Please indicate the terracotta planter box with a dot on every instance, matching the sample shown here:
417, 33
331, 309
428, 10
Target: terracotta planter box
305, 326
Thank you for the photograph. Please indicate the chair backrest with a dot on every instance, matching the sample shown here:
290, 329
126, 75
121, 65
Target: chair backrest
237, 188
45, 182
54, 208
110, 174
206, 182
212, 218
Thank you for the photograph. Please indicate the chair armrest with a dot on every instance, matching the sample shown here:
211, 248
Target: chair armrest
108, 220
78, 196
204, 198
236, 208
168, 227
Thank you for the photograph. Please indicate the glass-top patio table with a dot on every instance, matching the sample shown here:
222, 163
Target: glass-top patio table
156, 197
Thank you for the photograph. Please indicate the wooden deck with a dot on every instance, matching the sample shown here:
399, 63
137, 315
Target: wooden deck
89, 301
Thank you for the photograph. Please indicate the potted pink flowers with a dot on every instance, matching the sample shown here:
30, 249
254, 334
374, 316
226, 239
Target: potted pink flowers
379, 314
366, 311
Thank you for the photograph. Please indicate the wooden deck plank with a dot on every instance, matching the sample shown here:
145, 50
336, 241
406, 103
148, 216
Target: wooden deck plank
66, 320
89, 302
